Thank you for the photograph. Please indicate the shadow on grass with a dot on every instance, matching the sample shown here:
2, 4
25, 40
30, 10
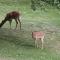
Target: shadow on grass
15, 37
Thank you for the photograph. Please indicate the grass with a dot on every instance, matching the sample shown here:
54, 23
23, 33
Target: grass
19, 45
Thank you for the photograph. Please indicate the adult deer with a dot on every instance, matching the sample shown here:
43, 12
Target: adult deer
10, 16
38, 36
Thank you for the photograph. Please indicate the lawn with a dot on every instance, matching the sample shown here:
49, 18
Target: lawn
19, 45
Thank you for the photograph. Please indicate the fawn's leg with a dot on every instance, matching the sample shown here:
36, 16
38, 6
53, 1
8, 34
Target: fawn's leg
36, 43
19, 23
42, 42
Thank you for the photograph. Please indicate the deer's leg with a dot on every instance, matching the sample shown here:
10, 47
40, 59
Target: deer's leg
36, 43
16, 23
42, 42
10, 23
19, 22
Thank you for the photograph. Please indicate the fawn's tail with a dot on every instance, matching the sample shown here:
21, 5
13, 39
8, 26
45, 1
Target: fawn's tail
2, 23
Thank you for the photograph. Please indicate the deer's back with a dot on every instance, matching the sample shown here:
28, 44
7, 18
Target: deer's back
37, 34
13, 14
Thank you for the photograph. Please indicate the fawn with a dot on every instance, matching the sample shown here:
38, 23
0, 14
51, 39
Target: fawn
38, 36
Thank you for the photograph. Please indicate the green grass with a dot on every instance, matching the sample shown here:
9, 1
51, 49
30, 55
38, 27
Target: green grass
19, 45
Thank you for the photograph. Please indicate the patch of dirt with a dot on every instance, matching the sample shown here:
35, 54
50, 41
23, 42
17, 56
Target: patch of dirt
52, 36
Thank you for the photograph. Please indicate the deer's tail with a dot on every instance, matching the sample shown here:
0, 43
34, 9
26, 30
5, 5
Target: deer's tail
2, 23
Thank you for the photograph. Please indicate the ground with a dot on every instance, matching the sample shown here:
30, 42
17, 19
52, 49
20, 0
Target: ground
18, 44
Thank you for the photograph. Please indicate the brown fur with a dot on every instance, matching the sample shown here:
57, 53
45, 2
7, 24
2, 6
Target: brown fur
10, 16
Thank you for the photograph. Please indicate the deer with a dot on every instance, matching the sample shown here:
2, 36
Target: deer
38, 35
14, 15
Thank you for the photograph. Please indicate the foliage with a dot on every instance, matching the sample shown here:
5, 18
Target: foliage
43, 3
33, 5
